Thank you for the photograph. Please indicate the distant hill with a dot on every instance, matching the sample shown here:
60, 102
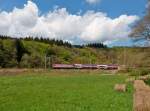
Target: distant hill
63, 52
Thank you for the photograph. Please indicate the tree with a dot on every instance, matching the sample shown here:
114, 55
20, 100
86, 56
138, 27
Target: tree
96, 45
20, 50
7, 55
142, 28
50, 52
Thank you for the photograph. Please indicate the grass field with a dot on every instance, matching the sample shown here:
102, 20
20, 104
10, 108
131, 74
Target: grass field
66, 92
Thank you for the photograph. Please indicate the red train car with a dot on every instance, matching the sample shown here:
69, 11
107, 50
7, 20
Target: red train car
89, 66
85, 66
112, 67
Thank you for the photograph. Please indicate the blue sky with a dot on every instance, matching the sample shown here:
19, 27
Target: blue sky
114, 10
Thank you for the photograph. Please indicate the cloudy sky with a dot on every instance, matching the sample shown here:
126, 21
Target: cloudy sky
76, 21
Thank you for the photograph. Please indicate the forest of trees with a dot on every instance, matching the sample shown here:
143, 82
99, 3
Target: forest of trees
96, 45
31, 52
56, 42
41, 39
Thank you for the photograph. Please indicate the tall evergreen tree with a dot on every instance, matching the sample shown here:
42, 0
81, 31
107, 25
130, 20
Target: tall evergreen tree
20, 50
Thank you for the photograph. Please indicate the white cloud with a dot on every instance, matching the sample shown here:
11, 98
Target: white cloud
60, 24
92, 1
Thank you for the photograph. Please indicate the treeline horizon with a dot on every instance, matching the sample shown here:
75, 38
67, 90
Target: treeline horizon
57, 42
15, 51
31, 53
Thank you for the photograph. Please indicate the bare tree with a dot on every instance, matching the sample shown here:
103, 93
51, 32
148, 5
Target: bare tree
142, 28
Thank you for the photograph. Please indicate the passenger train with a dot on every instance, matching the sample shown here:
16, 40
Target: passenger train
85, 66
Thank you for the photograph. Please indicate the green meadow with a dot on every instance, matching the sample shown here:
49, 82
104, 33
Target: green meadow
59, 91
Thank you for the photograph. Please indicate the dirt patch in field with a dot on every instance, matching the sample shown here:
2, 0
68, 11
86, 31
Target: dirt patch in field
18, 71
141, 96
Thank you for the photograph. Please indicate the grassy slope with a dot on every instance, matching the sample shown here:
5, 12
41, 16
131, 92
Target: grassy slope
63, 93
129, 56
36, 47
132, 56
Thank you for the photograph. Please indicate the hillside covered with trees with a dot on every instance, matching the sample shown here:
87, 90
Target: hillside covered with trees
32, 52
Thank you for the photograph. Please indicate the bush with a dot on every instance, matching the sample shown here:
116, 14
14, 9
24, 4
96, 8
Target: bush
147, 81
134, 72
140, 72
125, 70
144, 72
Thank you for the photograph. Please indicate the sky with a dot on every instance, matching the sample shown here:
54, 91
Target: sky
76, 21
